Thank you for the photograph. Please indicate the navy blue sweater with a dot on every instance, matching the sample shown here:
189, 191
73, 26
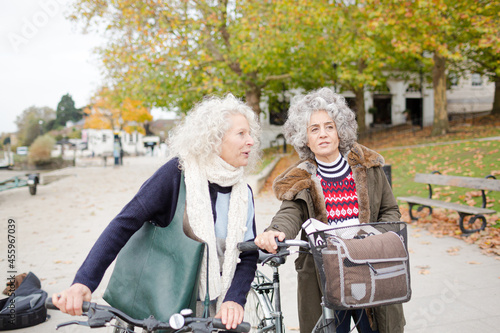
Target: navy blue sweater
156, 202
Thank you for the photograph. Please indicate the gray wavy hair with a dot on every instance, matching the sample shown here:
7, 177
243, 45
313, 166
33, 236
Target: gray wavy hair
200, 133
299, 115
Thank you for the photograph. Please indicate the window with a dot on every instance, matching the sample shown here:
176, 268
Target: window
476, 80
278, 110
453, 79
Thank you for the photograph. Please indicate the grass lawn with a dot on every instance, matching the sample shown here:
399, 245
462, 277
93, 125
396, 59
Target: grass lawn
469, 159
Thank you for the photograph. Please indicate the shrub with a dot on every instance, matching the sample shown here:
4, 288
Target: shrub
40, 150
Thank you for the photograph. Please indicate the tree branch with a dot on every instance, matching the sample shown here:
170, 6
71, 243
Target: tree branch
277, 77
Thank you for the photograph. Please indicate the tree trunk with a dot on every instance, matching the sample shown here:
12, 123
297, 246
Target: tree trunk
496, 99
252, 97
441, 124
360, 109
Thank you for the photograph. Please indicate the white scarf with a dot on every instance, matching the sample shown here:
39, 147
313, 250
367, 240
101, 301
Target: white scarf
199, 212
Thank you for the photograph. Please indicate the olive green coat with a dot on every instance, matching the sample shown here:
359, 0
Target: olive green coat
302, 198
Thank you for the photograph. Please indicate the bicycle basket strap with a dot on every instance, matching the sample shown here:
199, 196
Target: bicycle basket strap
366, 272
157, 271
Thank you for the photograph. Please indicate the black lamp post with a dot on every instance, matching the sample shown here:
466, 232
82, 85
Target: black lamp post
421, 77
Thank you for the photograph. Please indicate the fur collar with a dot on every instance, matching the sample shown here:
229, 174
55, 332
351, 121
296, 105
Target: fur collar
365, 157
302, 176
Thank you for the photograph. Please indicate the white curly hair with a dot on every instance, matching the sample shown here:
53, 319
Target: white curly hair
200, 133
299, 115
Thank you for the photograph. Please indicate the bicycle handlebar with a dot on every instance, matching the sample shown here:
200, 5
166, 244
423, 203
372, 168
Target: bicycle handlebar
251, 246
100, 315
247, 246
50, 306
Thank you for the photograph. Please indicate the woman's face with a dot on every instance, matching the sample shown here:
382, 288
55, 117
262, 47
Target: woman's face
322, 137
237, 142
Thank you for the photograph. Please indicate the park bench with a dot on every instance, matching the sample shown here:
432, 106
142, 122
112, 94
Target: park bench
489, 183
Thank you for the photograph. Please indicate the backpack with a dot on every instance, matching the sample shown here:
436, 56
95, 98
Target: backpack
25, 306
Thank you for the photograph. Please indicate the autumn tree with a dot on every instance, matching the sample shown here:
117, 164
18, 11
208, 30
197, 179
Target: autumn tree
172, 53
483, 53
31, 123
362, 54
40, 150
486, 61
109, 110
442, 29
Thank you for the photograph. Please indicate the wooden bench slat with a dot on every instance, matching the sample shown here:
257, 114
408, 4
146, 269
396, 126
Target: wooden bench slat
448, 205
469, 182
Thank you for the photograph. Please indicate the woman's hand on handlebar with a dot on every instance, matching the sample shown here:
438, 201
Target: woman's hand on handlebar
70, 300
231, 314
266, 240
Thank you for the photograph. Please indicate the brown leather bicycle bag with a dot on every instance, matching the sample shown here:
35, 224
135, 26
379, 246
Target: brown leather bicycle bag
367, 271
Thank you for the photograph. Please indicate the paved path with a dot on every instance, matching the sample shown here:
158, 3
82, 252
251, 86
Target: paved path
455, 287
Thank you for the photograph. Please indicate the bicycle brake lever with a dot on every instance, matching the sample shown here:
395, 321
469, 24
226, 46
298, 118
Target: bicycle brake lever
73, 322
267, 259
99, 318
280, 254
95, 319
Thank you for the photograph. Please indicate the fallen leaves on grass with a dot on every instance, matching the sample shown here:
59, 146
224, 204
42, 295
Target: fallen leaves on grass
283, 164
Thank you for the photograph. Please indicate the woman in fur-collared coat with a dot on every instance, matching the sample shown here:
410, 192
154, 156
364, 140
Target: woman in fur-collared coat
338, 182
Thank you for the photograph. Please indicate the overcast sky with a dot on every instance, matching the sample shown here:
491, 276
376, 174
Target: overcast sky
43, 56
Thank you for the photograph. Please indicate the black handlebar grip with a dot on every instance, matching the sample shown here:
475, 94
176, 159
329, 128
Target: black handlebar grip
243, 327
86, 306
247, 246
49, 305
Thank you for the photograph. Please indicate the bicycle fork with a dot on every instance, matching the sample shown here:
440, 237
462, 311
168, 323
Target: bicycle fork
273, 318
326, 323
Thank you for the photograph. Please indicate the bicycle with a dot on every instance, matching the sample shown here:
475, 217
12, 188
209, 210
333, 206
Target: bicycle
264, 291
100, 316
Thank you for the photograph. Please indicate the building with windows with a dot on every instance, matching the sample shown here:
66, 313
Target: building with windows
100, 142
398, 102
473, 94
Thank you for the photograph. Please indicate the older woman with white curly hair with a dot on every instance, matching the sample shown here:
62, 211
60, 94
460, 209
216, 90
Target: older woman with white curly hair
338, 182
210, 152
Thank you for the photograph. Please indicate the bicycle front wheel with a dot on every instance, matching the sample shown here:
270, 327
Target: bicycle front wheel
254, 314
